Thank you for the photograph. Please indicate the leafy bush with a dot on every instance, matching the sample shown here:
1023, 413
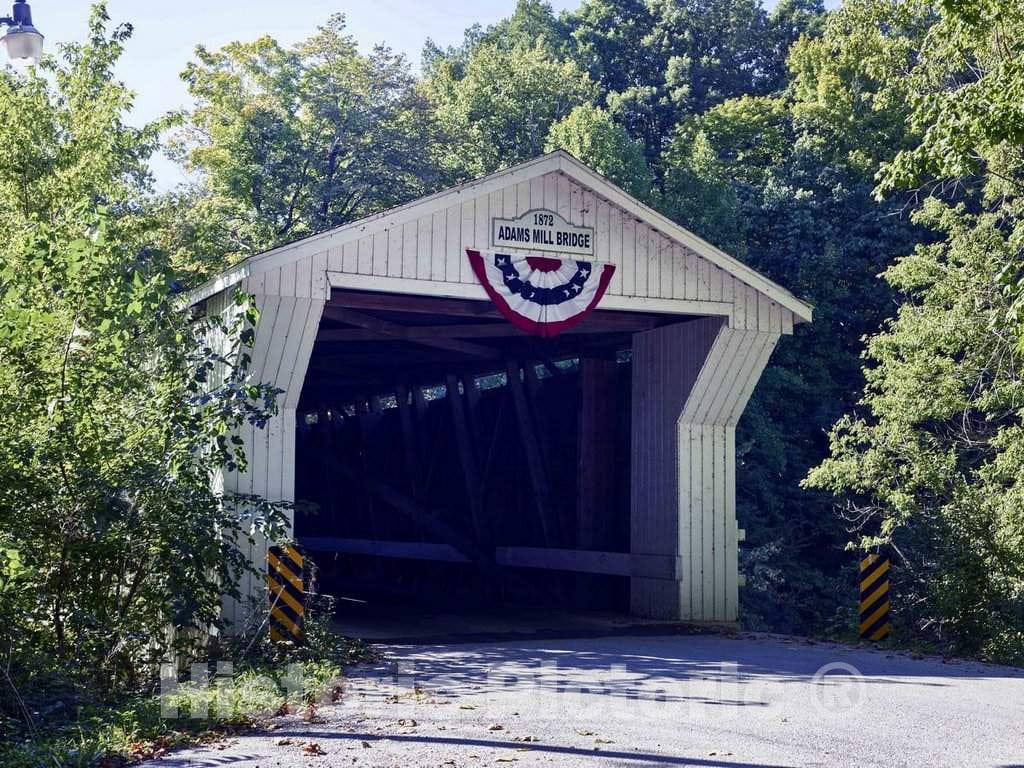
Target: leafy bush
118, 413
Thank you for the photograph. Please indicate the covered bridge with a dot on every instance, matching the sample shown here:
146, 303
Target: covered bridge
453, 429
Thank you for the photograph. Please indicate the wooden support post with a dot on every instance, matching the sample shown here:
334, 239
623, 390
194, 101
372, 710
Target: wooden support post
467, 458
419, 402
596, 470
532, 380
472, 395
561, 522
534, 460
410, 440
493, 443
595, 497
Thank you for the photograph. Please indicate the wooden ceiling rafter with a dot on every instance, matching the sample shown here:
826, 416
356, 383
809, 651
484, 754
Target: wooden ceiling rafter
482, 310
401, 332
472, 331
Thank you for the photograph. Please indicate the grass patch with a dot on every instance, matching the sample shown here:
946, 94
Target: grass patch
149, 726
271, 682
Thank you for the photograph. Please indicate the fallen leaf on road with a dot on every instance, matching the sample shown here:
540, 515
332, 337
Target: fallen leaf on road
586, 733
507, 760
603, 741
283, 742
467, 706
407, 722
525, 738
312, 749
496, 727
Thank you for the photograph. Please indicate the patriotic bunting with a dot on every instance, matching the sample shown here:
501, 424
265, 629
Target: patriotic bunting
541, 295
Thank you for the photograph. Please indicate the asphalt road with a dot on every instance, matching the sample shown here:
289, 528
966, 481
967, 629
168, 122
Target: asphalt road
704, 701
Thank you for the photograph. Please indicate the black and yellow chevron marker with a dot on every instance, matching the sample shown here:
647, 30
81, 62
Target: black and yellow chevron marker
874, 598
286, 580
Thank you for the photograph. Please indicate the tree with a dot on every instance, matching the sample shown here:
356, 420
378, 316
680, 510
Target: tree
292, 141
660, 62
785, 186
117, 413
929, 463
589, 134
533, 23
64, 145
500, 105
698, 194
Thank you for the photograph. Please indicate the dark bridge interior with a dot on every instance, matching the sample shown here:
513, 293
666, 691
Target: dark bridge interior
445, 457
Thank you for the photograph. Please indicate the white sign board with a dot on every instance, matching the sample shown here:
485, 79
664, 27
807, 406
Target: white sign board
540, 230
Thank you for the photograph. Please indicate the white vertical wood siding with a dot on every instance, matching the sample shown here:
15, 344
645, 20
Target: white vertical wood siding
649, 264
707, 537
290, 300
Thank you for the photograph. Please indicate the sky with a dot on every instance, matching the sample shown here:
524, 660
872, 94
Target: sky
166, 34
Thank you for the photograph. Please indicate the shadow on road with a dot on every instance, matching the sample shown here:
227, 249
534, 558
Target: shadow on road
440, 741
650, 667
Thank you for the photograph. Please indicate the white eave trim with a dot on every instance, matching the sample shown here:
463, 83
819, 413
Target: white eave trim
559, 161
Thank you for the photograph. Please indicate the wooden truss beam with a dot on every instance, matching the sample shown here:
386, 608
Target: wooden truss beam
430, 305
534, 460
476, 331
424, 305
401, 332
544, 558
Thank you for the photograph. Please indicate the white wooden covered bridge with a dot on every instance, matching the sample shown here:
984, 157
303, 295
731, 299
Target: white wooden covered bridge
431, 433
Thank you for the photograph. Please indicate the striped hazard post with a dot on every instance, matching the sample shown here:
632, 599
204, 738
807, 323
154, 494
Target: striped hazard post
874, 597
285, 578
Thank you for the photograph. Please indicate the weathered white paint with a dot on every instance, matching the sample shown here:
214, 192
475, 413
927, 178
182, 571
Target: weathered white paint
557, 182
691, 381
290, 300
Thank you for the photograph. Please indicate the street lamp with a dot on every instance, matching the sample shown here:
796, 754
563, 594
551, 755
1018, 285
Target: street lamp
22, 41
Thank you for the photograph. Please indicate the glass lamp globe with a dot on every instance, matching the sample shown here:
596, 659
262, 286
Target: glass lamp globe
23, 43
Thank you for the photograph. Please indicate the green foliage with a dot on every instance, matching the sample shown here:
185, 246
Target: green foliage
660, 62
589, 134
65, 140
117, 414
930, 461
698, 194
499, 106
786, 139
966, 95
142, 727
849, 82
765, 178
292, 141
933, 465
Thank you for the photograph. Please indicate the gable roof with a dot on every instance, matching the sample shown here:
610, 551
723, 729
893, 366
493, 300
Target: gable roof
559, 161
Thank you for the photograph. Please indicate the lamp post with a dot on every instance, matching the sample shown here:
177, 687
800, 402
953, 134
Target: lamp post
22, 41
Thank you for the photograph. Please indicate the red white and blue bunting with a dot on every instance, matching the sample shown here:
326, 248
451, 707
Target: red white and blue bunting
541, 295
